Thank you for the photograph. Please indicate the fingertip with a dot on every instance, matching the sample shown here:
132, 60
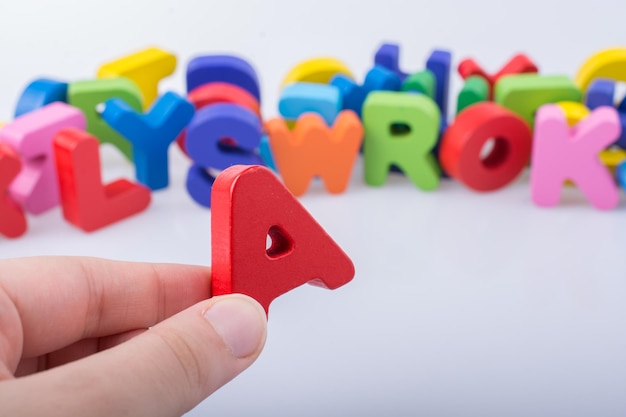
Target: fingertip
241, 323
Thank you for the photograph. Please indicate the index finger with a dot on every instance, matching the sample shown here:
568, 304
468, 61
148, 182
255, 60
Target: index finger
60, 300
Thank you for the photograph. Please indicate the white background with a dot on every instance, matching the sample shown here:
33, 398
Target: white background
463, 304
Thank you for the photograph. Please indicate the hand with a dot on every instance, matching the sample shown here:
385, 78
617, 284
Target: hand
93, 337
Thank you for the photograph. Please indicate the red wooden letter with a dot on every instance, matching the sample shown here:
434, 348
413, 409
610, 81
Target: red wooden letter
86, 202
462, 144
519, 64
248, 203
12, 219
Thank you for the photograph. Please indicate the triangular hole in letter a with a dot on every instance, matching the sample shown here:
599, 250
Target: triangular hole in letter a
279, 243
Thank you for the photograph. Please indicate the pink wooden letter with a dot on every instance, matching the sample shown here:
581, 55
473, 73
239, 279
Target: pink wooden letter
562, 153
36, 187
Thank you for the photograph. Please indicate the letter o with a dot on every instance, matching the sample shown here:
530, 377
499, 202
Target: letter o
463, 142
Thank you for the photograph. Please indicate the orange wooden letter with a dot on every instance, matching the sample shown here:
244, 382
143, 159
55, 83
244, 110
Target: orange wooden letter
314, 149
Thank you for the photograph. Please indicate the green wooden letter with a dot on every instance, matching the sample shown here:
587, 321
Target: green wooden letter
401, 129
525, 93
422, 82
475, 90
87, 95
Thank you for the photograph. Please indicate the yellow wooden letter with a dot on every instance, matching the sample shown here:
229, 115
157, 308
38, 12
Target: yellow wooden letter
316, 70
609, 63
574, 111
145, 68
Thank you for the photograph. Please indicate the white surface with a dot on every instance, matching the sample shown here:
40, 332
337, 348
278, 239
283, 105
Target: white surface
463, 304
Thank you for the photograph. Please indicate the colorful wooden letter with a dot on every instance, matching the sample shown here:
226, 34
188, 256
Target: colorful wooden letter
316, 70
519, 64
199, 184
620, 174
214, 93
222, 68
602, 93
401, 129
40, 92
87, 95
299, 98
219, 136
266, 154
313, 149
612, 158
86, 203
463, 142
145, 68
561, 153
36, 187
475, 90
222, 135
12, 218
219, 92
249, 203
525, 93
151, 134
377, 79
388, 56
608, 63
438, 63
422, 82
574, 113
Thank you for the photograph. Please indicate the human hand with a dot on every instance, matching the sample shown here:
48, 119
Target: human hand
93, 337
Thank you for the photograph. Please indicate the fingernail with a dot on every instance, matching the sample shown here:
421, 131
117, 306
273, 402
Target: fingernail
239, 322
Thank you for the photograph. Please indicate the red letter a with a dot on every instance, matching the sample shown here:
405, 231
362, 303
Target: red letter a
248, 204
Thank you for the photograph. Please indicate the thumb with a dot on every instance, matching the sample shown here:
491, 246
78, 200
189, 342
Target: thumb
165, 371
